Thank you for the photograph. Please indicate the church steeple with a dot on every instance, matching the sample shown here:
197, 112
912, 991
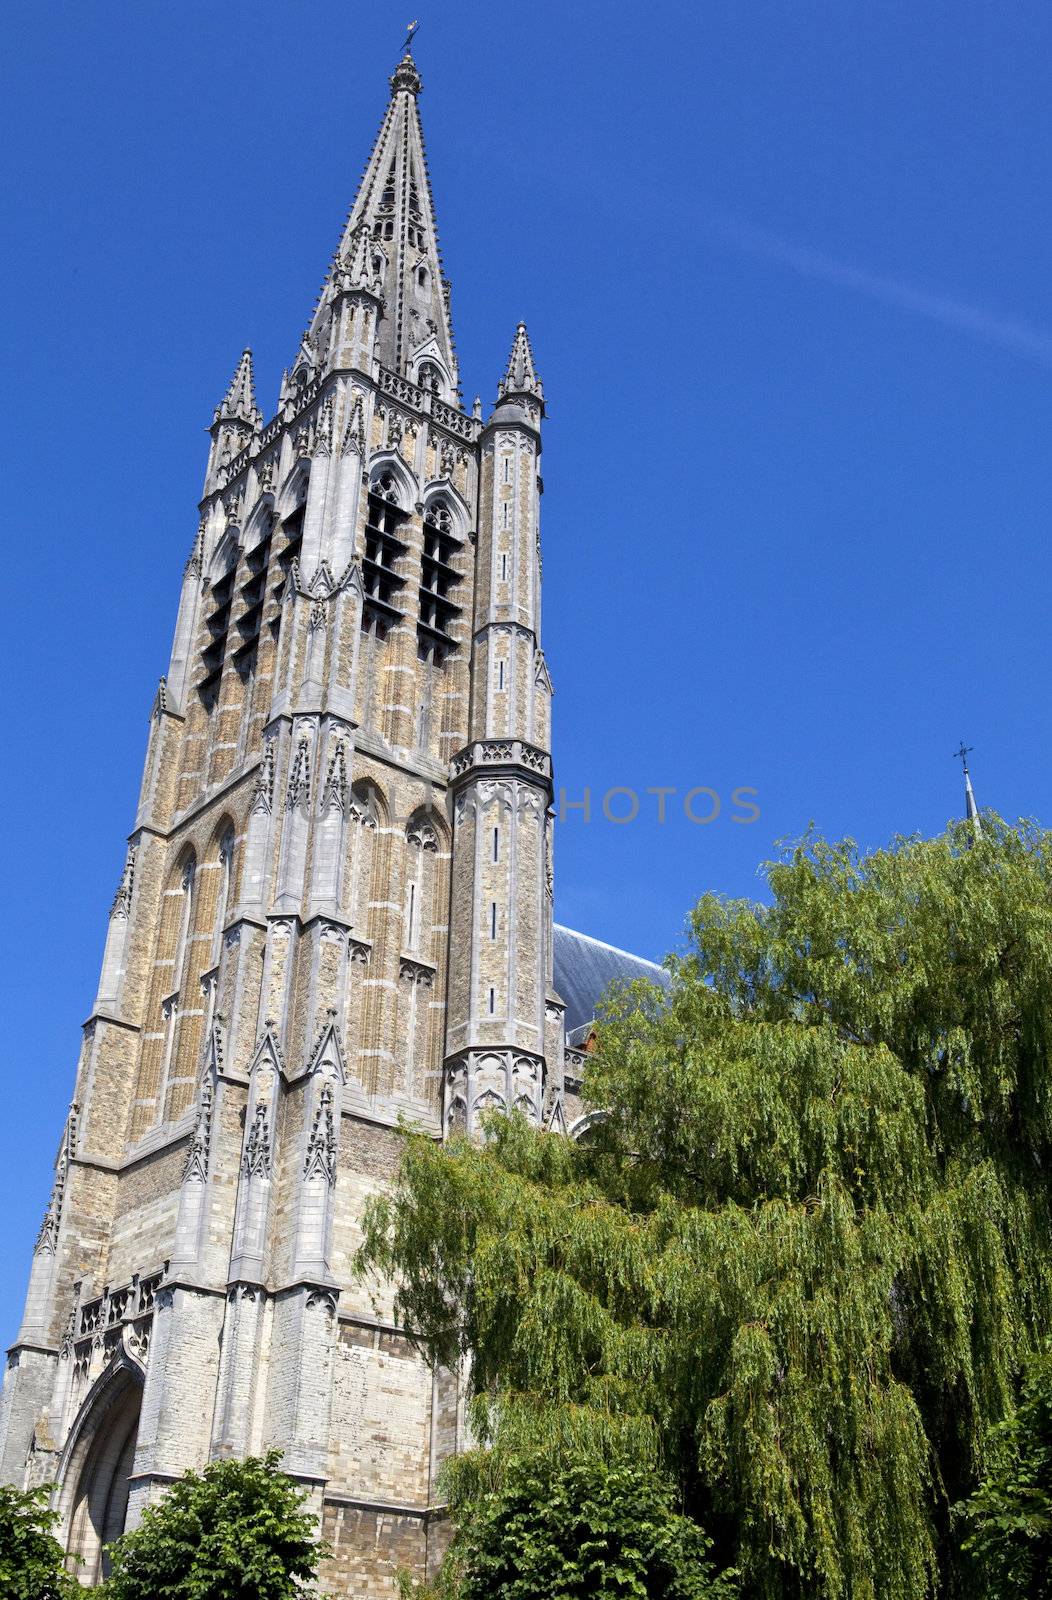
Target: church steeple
335, 917
390, 250
971, 810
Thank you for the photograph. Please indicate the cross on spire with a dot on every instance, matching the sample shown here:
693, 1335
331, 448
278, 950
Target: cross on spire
390, 249
971, 810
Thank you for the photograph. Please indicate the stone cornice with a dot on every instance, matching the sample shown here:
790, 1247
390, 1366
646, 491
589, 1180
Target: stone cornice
440, 414
513, 756
389, 1508
96, 1017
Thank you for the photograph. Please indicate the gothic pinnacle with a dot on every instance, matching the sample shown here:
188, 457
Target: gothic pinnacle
239, 402
520, 376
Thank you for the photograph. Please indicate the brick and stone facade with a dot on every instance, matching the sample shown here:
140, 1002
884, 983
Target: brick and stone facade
335, 913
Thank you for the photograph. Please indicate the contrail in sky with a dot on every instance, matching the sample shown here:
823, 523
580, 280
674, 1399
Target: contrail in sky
1007, 332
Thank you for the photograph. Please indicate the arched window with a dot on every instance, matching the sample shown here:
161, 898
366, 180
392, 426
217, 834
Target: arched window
428, 377
226, 884
288, 532
217, 619
252, 594
364, 812
384, 549
422, 840
167, 994
439, 578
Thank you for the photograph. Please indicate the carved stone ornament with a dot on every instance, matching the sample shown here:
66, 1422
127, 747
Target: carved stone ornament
122, 899
362, 808
323, 437
421, 833
256, 1161
195, 564
418, 972
299, 777
68, 1335
354, 434
321, 1145
47, 1238
196, 1168
263, 793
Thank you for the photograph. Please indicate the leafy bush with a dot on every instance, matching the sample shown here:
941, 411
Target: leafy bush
236, 1531
1010, 1514
32, 1563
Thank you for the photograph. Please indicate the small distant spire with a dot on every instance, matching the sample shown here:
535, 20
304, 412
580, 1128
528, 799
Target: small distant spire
521, 375
239, 402
971, 810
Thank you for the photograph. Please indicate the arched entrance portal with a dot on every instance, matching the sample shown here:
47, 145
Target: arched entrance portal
99, 1467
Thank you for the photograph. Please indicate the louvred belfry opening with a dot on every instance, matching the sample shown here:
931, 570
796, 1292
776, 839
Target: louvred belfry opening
438, 582
384, 549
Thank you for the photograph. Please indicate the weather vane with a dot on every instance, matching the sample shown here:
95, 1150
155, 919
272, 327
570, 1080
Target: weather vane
962, 755
409, 35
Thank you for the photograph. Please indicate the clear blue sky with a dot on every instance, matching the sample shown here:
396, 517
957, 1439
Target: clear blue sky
786, 272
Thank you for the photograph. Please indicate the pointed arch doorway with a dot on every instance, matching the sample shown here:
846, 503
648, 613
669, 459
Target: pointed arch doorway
99, 1465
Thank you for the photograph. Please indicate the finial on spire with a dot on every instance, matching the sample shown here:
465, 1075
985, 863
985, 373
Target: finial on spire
239, 402
521, 374
971, 810
405, 74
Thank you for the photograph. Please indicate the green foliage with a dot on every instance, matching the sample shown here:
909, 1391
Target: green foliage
237, 1531
32, 1564
799, 1264
585, 1531
1010, 1514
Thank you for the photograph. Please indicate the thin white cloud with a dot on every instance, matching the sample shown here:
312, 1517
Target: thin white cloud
1008, 332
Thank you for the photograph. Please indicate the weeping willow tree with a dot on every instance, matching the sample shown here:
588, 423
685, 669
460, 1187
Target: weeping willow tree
799, 1265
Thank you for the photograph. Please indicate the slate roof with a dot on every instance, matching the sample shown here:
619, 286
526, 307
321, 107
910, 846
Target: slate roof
585, 968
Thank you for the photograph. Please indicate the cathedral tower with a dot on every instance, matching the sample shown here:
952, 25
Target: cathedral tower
335, 913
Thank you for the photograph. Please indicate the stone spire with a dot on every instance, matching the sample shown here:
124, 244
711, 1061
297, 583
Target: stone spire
390, 248
239, 402
520, 376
